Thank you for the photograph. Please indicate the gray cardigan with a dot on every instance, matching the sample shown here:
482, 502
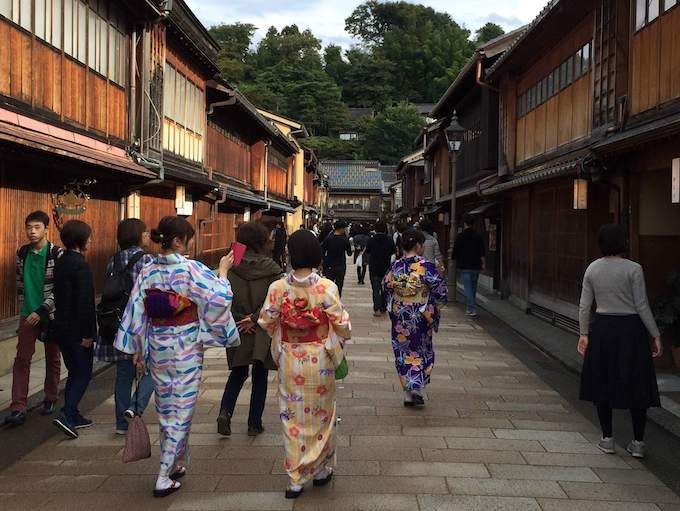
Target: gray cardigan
617, 286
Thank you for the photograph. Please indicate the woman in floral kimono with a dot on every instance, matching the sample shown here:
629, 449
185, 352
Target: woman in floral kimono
177, 308
308, 325
414, 291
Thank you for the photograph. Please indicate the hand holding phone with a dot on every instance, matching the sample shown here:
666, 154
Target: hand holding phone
239, 249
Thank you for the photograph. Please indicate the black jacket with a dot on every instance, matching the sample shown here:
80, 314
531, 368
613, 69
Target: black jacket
74, 318
334, 249
380, 249
468, 250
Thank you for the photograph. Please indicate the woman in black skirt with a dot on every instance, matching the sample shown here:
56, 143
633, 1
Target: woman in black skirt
618, 370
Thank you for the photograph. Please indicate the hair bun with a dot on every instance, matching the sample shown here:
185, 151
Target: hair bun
156, 236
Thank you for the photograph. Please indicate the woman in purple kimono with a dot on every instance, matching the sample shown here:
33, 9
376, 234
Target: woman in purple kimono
414, 291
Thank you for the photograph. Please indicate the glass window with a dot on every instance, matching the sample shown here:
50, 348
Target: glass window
653, 11
6, 8
585, 62
578, 64
669, 3
56, 23
25, 14
40, 18
102, 46
92, 40
112, 56
563, 76
539, 93
551, 84
68, 27
82, 32
570, 70
640, 13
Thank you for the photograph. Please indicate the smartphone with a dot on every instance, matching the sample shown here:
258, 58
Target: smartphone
238, 249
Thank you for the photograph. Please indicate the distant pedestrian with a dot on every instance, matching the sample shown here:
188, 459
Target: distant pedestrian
415, 291
379, 249
431, 250
35, 291
400, 227
308, 324
279, 237
177, 309
336, 248
325, 231
618, 371
250, 282
75, 322
360, 258
121, 272
469, 252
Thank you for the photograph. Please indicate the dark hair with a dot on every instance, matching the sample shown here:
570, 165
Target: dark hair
427, 225
74, 234
380, 226
410, 238
612, 240
171, 227
304, 250
130, 233
340, 224
254, 235
38, 216
401, 226
468, 219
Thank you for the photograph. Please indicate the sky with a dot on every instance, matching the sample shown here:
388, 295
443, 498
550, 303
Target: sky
326, 18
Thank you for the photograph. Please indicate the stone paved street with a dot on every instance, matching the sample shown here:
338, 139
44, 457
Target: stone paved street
493, 436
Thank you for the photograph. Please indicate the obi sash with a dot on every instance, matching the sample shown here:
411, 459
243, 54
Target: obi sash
166, 308
307, 329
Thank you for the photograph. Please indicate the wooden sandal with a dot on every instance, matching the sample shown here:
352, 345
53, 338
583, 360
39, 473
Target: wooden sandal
178, 473
167, 491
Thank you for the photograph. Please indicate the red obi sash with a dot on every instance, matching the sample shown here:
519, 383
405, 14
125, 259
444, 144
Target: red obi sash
166, 308
301, 324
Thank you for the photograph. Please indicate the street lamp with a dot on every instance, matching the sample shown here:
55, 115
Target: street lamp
454, 136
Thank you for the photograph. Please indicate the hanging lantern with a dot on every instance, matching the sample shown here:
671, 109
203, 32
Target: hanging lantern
580, 193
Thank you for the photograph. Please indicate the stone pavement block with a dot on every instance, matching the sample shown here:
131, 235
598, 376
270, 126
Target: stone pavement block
225, 466
477, 456
72, 452
452, 431
580, 427
559, 446
532, 434
251, 483
495, 444
378, 442
145, 484
247, 453
465, 422
543, 473
574, 460
390, 484
591, 505
379, 421
477, 503
108, 467
327, 501
242, 501
498, 414
50, 484
369, 429
24, 501
276, 439
383, 454
620, 492
615, 475
428, 468
505, 487
198, 452
530, 407
343, 467
35, 468
118, 501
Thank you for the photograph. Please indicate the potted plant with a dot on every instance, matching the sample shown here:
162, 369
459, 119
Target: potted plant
667, 313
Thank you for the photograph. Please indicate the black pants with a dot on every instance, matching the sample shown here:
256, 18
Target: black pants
638, 415
336, 274
78, 361
258, 395
378, 297
361, 273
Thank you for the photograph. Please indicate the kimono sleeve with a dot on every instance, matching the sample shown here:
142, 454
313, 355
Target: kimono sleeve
132, 331
340, 326
213, 297
269, 318
436, 283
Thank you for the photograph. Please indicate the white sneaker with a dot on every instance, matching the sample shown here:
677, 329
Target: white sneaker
606, 445
636, 449
121, 432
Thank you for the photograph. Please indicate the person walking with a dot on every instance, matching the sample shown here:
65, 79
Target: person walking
177, 308
379, 250
618, 370
469, 252
360, 258
250, 282
279, 237
35, 285
336, 248
308, 324
431, 250
325, 231
121, 274
75, 322
415, 292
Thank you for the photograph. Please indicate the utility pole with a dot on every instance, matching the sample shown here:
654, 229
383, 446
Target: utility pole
454, 137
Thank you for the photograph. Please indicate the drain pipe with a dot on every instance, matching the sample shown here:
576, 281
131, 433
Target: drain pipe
266, 172
481, 82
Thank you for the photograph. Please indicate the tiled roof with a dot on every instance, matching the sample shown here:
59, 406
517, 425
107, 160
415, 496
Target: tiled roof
352, 174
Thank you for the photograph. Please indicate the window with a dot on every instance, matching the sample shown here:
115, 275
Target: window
68, 27
669, 3
25, 14
40, 19
570, 70
56, 34
585, 59
182, 101
647, 11
6, 8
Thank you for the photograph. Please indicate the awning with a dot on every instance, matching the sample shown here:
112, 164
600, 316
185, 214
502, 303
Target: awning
483, 208
244, 196
433, 208
535, 175
649, 132
45, 137
311, 209
466, 192
188, 176
280, 206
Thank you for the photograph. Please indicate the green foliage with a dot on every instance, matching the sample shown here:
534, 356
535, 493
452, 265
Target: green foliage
334, 63
233, 57
390, 134
332, 148
487, 33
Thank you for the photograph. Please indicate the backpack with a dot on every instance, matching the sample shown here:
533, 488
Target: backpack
118, 285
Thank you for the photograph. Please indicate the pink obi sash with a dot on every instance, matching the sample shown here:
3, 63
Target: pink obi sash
166, 308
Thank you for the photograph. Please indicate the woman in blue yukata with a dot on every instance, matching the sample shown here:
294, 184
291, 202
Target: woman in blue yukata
177, 308
414, 291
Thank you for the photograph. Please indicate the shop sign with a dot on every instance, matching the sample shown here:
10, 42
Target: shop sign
71, 200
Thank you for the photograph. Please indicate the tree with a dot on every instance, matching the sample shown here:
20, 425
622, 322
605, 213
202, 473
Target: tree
487, 33
334, 63
331, 148
390, 135
368, 81
290, 46
233, 58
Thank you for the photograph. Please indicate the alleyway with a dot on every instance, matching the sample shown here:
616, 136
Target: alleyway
492, 437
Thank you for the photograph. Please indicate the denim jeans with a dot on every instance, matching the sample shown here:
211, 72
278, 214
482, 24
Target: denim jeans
361, 273
78, 361
258, 394
378, 297
125, 376
470, 279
